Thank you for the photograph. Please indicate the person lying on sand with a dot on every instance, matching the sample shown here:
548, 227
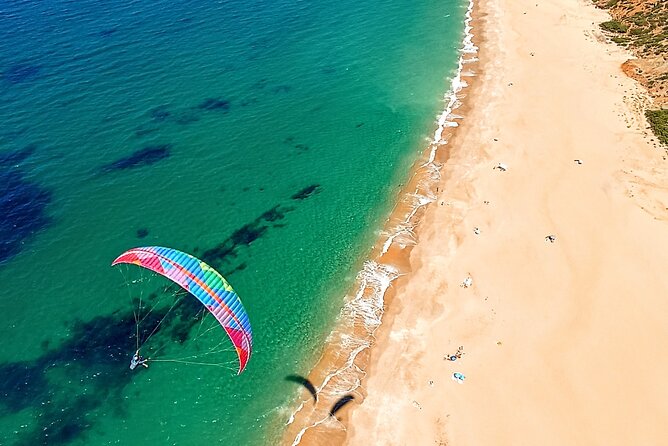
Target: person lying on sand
456, 356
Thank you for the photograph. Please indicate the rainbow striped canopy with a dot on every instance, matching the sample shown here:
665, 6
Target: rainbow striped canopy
203, 282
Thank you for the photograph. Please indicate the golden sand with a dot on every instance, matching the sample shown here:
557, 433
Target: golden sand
564, 342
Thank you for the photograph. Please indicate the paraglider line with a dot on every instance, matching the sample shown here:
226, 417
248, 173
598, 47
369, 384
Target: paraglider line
200, 280
136, 328
159, 323
221, 365
201, 322
176, 294
213, 327
134, 312
214, 350
149, 311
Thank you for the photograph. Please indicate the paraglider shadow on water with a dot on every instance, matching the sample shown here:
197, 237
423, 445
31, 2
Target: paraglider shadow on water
68, 384
340, 403
304, 382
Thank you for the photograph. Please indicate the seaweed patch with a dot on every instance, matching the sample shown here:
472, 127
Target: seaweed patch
214, 104
144, 131
186, 117
94, 362
142, 157
248, 101
160, 113
22, 204
11, 159
182, 116
22, 72
244, 236
108, 32
276, 213
240, 267
291, 140
306, 192
221, 255
260, 84
281, 89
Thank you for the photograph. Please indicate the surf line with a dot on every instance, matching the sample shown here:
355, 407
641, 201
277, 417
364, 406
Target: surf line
364, 306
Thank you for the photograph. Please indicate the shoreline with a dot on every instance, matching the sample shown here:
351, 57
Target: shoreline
562, 341
345, 360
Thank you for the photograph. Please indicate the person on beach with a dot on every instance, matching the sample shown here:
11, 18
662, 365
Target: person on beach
456, 356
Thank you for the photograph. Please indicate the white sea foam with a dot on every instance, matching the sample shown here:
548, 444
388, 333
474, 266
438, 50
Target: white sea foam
362, 312
363, 309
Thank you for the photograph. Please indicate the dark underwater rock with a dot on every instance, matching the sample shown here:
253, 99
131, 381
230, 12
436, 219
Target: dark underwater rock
214, 104
306, 192
22, 204
142, 157
22, 72
160, 113
91, 367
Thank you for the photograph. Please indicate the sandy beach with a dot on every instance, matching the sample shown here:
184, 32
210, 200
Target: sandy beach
564, 341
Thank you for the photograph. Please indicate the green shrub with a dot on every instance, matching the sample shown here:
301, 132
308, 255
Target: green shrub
639, 20
614, 26
658, 121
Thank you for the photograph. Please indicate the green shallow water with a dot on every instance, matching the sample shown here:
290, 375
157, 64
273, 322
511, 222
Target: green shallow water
336, 96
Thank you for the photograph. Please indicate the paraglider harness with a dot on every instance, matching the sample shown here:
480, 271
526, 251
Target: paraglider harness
138, 359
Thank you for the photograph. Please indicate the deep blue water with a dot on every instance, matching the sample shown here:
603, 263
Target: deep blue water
269, 137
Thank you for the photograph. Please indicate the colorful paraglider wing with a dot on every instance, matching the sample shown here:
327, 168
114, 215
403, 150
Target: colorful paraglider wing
203, 282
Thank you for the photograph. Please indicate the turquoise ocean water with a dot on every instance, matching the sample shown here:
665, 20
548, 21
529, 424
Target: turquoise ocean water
269, 138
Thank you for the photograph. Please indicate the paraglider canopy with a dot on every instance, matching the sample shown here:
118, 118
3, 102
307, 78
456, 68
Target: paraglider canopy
206, 284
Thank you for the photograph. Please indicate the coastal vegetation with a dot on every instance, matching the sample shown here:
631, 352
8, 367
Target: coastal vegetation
645, 22
658, 121
614, 26
642, 27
